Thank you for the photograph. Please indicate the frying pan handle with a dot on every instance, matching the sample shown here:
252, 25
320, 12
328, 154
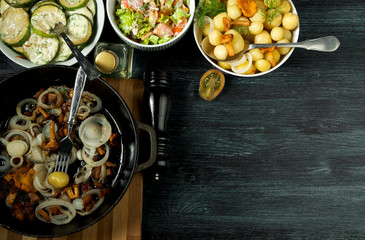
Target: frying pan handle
153, 152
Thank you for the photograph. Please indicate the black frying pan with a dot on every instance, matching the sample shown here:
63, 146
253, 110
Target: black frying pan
28, 82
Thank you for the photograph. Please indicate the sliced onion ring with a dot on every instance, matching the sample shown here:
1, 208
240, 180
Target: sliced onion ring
94, 131
83, 112
206, 20
16, 122
234, 68
46, 106
32, 127
20, 160
93, 163
17, 148
67, 209
84, 174
20, 105
27, 137
90, 99
235, 63
40, 180
97, 204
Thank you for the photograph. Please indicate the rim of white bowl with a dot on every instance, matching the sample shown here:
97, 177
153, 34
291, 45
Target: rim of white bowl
99, 24
295, 38
110, 9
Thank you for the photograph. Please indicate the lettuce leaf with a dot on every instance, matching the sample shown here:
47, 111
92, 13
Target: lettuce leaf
169, 3
129, 19
178, 14
153, 39
164, 19
164, 39
125, 18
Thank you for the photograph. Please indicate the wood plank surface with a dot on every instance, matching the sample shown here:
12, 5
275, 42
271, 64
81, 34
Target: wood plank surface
124, 221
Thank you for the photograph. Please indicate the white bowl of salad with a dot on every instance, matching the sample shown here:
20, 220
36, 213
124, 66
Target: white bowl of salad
150, 25
263, 21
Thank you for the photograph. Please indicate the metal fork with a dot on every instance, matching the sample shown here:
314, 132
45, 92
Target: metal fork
66, 144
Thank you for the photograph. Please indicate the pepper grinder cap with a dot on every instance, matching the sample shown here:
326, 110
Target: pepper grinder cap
158, 77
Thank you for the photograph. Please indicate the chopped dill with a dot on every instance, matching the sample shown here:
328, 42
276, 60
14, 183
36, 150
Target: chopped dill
272, 14
243, 30
275, 9
208, 8
272, 3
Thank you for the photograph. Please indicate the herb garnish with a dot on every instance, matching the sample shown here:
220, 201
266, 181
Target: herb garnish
275, 9
243, 30
208, 8
272, 3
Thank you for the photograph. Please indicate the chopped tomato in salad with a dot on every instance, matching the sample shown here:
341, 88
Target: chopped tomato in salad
152, 22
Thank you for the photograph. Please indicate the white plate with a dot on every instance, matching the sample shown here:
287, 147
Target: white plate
100, 17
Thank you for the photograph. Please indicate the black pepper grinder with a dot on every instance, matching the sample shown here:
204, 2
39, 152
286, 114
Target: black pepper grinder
156, 107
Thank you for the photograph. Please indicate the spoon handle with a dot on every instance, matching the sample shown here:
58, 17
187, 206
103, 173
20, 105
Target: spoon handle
89, 69
323, 44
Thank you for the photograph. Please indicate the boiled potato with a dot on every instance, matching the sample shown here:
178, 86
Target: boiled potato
272, 3
250, 70
256, 54
238, 43
206, 29
243, 18
231, 2
290, 21
287, 34
260, 4
285, 7
218, 23
260, 16
234, 11
256, 27
274, 19
221, 52
224, 65
250, 38
277, 33
283, 50
214, 37
275, 54
263, 37
262, 65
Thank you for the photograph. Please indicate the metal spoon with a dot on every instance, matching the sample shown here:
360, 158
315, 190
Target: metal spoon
323, 44
88, 68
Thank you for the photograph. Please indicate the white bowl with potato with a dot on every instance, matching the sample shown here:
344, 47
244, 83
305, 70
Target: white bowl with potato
266, 21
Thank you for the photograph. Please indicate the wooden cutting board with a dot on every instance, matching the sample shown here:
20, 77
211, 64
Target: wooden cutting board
124, 221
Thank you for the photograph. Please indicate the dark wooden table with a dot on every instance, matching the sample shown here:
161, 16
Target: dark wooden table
275, 157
